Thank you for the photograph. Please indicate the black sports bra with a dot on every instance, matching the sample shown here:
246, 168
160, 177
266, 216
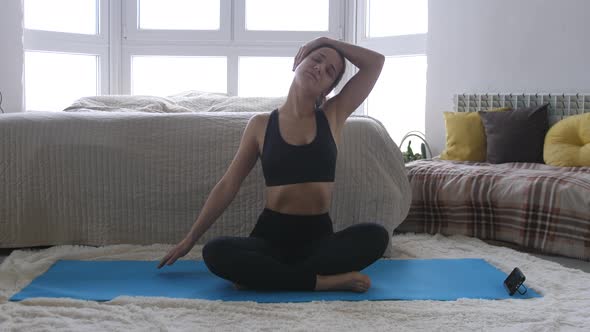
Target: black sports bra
283, 163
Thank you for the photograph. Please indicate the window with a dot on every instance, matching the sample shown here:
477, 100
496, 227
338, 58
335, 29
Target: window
397, 29
398, 99
165, 47
54, 16
179, 14
396, 18
167, 75
159, 22
54, 80
264, 76
287, 21
275, 15
188, 29
66, 41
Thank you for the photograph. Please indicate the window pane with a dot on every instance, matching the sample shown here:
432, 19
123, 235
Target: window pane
179, 14
264, 76
396, 17
293, 15
398, 99
74, 16
167, 75
54, 80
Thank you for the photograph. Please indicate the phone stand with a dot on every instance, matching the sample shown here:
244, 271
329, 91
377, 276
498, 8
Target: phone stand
515, 281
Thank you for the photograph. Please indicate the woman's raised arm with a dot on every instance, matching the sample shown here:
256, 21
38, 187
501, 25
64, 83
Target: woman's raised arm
356, 90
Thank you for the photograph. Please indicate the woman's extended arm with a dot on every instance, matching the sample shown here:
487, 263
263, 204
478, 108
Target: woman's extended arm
229, 185
219, 199
223, 193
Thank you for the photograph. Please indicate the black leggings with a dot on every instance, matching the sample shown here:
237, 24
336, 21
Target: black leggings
286, 251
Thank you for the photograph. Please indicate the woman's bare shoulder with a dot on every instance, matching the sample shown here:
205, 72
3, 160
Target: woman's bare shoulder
260, 120
259, 123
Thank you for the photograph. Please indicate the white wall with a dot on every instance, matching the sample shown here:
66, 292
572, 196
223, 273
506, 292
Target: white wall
522, 46
11, 55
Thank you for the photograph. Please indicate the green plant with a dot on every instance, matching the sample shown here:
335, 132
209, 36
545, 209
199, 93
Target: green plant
409, 155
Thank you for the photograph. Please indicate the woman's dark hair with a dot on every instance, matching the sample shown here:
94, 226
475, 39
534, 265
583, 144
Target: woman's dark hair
341, 74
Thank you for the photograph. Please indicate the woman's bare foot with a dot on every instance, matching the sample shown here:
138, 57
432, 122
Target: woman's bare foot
350, 281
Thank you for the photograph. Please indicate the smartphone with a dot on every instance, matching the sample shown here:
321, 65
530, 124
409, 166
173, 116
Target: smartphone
514, 280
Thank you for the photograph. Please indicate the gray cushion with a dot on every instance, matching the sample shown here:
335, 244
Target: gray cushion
516, 135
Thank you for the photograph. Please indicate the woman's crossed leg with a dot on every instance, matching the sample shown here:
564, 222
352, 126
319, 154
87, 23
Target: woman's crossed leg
331, 263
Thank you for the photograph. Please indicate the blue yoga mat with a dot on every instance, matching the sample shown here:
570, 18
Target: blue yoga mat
416, 279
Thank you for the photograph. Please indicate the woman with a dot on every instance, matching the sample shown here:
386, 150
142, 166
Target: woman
293, 246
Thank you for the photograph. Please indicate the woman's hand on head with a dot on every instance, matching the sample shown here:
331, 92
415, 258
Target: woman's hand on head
306, 48
180, 250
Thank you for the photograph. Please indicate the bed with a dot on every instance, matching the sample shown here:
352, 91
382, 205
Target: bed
103, 173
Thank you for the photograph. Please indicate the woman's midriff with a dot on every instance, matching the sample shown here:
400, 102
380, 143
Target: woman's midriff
301, 198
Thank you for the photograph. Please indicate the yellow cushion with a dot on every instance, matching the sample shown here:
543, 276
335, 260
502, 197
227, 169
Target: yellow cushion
466, 138
567, 143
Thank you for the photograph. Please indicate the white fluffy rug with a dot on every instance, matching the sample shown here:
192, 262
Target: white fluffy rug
565, 305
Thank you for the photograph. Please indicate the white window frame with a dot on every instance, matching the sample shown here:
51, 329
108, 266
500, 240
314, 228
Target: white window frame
132, 32
116, 41
404, 45
232, 42
74, 43
232, 54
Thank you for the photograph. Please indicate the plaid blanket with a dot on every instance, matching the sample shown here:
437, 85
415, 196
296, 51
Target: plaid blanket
537, 207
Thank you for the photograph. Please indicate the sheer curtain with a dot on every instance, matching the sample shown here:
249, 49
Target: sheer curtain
11, 56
